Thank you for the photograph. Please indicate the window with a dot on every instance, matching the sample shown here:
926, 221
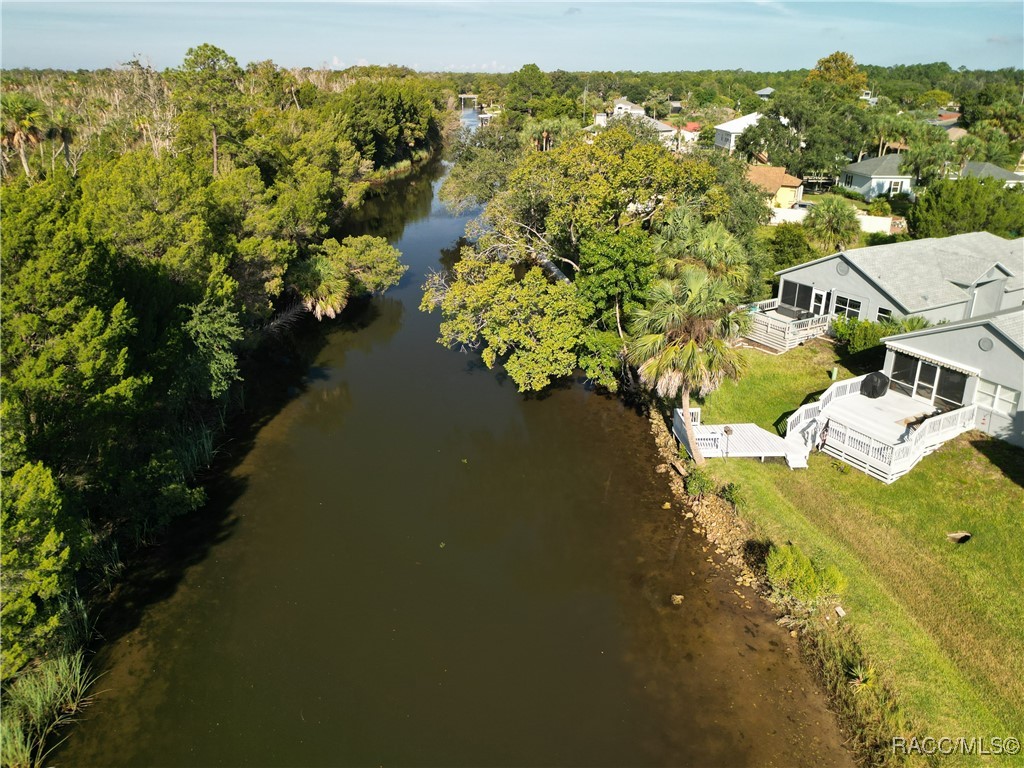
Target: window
883, 315
949, 395
904, 374
796, 294
848, 180
997, 398
895, 187
943, 387
848, 307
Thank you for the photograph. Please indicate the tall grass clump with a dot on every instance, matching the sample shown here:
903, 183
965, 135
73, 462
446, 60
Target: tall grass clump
37, 703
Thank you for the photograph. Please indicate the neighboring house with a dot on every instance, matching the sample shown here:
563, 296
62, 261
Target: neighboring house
990, 171
627, 107
876, 176
675, 107
726, 133
765, 93
783, 190
941, 279
866, 95
955, 133
667, 135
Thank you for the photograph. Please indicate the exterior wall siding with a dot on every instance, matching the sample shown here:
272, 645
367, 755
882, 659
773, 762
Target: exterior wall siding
852, 285
1003, 364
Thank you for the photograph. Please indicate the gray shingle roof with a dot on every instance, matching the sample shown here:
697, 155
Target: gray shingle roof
1009, 321
921, 274
986, 170
886, 165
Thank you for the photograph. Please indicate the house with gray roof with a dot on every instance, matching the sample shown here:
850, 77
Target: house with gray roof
940, 279
991, 171
765, 93
877, 176
936, 383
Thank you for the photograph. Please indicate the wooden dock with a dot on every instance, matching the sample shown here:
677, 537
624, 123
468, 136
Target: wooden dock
721, 441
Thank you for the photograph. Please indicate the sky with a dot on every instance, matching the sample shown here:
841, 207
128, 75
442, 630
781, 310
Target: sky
494, 36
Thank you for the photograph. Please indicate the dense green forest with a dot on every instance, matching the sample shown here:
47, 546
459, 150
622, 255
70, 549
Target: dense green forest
159, 227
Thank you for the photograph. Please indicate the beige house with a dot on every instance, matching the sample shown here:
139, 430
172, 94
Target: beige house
784, 190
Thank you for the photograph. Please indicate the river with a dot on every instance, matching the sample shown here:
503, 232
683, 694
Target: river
413, 564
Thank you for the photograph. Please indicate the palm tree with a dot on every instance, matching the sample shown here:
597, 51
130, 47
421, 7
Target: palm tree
322, 284
832, 223
681, 341
684, 239
62, 129
24, 121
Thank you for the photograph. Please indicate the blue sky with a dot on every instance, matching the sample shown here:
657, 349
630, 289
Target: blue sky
759, 35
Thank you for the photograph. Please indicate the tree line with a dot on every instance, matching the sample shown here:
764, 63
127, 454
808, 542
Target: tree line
158, 228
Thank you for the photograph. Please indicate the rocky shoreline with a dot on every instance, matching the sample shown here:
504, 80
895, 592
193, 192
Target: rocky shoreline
713, 517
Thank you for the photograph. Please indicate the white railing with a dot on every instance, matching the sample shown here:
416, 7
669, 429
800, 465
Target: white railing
781, 333
937, 429
809, 412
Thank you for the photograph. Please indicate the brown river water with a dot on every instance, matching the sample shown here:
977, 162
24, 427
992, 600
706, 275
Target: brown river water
413, 564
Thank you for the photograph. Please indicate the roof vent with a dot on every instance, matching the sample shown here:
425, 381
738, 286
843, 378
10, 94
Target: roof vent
985, 344
843, 268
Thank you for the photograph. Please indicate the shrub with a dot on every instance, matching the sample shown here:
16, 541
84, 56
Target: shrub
793, 574
879, 207
699, 483
849, 194
859, 335
732, 493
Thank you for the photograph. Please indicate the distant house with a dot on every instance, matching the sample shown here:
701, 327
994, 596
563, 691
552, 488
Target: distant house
726, 133
765, 93
626, 107
877, 176
783, 190
941, 279
674, 107
990, 171
670, 137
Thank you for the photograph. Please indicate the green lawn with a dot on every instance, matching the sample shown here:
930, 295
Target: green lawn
944, 622
812, 198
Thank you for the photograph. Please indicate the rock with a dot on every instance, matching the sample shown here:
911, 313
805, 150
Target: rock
677, 599
661, 469
959, 537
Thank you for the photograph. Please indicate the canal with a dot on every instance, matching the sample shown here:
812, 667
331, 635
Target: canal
413, 564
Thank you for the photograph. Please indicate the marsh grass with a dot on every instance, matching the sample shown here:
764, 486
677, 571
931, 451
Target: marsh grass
37, 703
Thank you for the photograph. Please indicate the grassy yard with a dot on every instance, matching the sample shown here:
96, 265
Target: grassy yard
812, 198
944, 622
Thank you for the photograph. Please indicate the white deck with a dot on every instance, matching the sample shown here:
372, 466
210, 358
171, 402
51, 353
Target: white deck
746, 441
884, 418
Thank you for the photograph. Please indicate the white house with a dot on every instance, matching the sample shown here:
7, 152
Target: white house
727, 133
765, 93
941, 279
877, 176
670, 137
627, 107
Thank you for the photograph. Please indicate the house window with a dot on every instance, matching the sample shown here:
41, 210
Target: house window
848, 307
943, 387
904, 374
848, 180
949, 394
996, 397
796, 294
895, 187
883, 315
